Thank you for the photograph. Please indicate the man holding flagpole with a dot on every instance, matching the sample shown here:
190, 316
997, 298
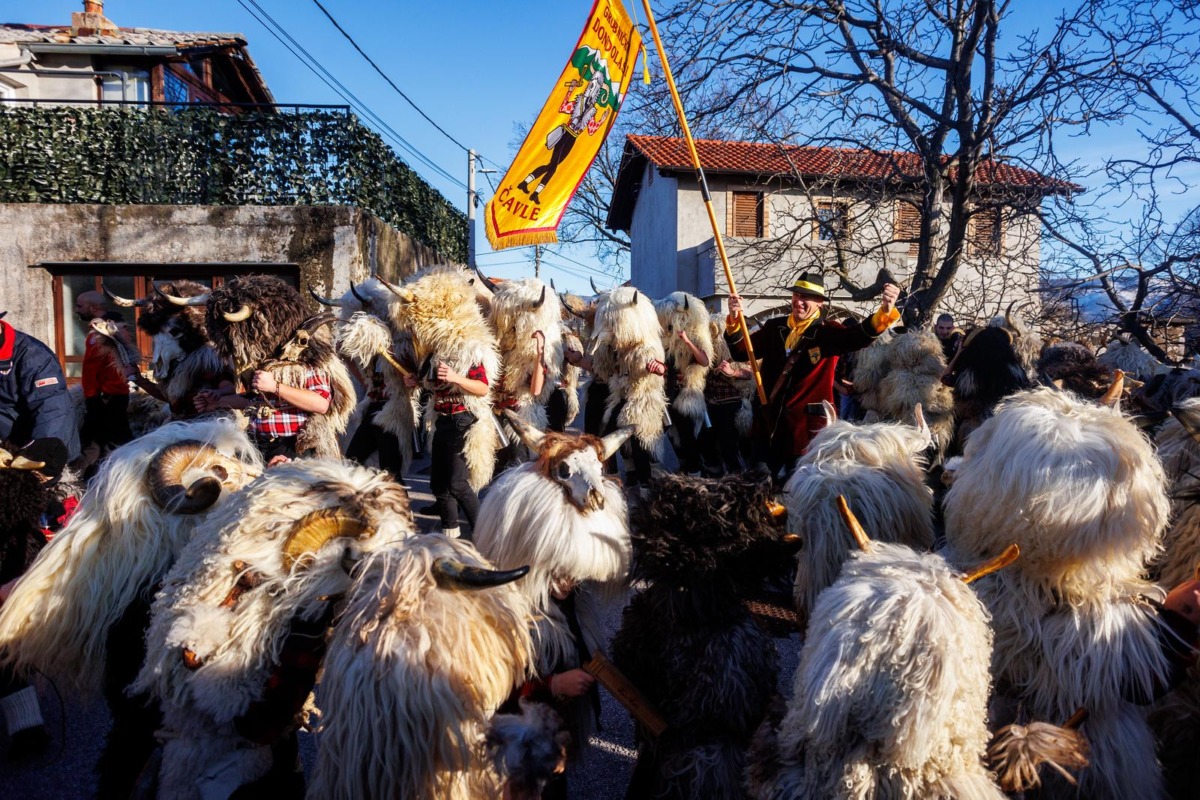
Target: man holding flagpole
799, 354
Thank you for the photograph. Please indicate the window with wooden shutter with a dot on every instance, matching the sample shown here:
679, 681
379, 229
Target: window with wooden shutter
907, 229
747, 214
985, 233
833, 223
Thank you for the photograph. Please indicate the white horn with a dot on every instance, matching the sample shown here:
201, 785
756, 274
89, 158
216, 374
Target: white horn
530, 436
612, 443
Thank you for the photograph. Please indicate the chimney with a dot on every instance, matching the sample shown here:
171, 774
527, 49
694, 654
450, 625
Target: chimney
92, 22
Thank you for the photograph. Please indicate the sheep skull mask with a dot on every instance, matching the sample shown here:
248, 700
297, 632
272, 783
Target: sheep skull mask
575, 464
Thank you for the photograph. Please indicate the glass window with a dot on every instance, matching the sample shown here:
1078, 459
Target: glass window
174, 89
832, 223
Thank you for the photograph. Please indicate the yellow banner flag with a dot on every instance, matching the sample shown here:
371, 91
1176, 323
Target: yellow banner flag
564, 140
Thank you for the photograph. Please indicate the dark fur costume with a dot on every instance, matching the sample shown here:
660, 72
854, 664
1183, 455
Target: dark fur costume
1075, 367
687, 641
987, 370
23, 497
200, 367
278, 338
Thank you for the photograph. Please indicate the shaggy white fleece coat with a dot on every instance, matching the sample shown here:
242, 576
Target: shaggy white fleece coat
1078, 488
626, 337
118, 543
682, 312
516, 315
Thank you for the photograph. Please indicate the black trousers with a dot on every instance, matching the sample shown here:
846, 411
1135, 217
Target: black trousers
686, 443
640, 473
271, 446
106, 420
448, 469
556, 410
370, 438
720, 443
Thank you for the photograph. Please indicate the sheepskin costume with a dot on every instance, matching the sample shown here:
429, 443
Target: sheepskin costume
127, 531
24, 497
569, 382
626, 337
183, 358
364, 333
269, 564
1127, 355
519, 309
1179, 449
896, 373
1078, 488
890, 700
258, 322
1026, 341
987, 369
439, 312
681, 312
417, 665
564, 519
743, 421
1072, 367
687, 641
879, 469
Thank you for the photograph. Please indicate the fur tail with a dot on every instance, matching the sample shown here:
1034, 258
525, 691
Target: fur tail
1017, 751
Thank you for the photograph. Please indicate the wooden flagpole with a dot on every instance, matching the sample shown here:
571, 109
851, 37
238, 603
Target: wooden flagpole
712, 215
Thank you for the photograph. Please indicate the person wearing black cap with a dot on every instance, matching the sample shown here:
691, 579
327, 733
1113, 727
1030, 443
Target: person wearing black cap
34, 403
799, 354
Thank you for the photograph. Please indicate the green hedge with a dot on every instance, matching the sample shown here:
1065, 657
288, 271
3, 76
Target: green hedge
197, 156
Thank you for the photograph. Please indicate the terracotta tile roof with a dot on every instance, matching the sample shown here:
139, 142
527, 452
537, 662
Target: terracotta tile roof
826, 162
761, 159
18, 33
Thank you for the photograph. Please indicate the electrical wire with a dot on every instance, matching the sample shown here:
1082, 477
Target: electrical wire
280, 33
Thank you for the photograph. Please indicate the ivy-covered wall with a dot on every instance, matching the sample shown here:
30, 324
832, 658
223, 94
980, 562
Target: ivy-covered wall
197, 156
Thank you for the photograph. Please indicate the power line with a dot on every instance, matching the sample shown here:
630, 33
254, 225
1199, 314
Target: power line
339, 88
383, 75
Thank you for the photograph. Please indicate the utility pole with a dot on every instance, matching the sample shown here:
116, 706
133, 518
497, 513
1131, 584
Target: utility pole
537, 261
471, 200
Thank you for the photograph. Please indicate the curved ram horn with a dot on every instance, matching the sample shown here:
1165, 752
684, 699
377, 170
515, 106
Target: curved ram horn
354, 291
531, 437
241, 315
405, 295
542, 298
198, 300
164, 476
312, 531
453, 573
595, 291
612, 443
21, 462
1008, 320
488, 282
123, 302
1113, 395
315, 323
325, 301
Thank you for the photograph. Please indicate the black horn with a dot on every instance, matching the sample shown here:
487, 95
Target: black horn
458, 575
359, 297
123, 302
325, 301
486, 280
541, 299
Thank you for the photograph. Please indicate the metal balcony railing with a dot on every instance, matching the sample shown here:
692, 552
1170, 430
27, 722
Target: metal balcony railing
131, 152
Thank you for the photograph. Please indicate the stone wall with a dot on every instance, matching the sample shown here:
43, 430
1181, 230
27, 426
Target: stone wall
331, 245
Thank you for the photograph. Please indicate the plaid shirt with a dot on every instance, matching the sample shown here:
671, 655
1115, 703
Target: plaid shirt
287, 419
448, 398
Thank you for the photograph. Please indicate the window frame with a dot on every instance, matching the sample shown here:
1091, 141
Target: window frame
843, 206
994, 246
762, 213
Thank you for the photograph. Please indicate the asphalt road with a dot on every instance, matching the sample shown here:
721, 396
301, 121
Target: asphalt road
65, 772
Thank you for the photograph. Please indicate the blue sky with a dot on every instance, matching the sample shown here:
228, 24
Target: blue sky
477, 68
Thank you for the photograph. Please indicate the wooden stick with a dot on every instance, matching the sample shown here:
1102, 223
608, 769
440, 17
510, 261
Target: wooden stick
856, 528
708, 205
625, 693
1010, 554
1078, 718
388, 357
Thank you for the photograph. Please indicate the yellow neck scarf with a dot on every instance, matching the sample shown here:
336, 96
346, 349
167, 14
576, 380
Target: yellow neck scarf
798, 328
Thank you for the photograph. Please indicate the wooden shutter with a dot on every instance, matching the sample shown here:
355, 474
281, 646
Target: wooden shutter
985, 232
747, 218
907, 228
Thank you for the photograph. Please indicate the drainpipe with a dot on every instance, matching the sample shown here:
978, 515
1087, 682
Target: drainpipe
26, 57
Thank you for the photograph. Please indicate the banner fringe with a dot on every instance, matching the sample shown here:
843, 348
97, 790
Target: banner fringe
520, 239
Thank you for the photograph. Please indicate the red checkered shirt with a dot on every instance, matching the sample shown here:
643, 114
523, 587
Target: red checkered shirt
448, 398
287, 419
